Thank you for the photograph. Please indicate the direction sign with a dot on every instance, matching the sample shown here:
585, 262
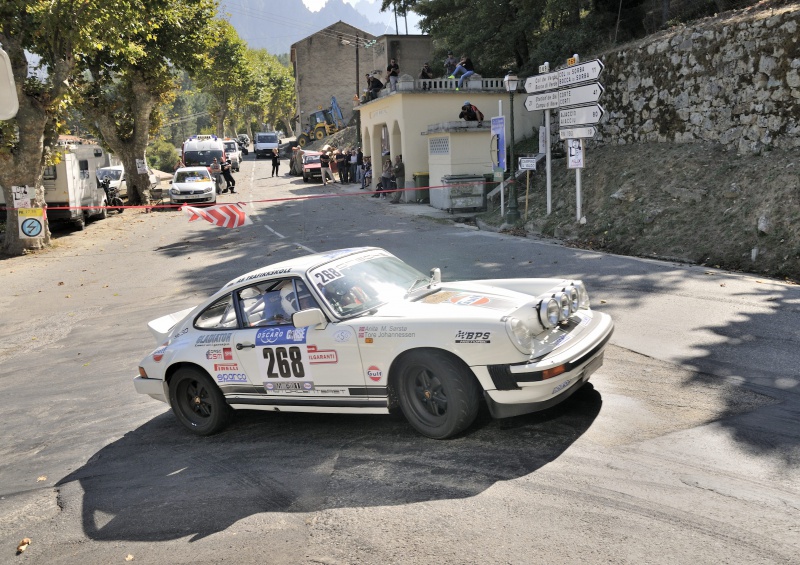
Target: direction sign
539, 83
527, 164
584, 72
578, 95
544, 101
577, 133
581, 116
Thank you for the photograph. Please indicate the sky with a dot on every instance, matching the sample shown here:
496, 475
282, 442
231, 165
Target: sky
371, 9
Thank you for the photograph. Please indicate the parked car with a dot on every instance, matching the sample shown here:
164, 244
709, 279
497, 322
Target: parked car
264, 144
192, 185
116, 176
311, 166
360, 331
233, 152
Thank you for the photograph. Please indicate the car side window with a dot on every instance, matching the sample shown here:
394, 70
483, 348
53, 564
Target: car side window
272, 303
221, 314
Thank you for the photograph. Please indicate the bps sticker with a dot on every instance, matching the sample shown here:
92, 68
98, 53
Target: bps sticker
374, 373
473, 337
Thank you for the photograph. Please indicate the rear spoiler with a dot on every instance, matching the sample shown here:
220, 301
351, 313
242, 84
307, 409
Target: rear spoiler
160, 327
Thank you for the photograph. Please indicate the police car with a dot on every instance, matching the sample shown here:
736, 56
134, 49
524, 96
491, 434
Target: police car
360, 331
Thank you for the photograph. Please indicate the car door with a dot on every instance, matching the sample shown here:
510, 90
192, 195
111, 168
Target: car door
309, 367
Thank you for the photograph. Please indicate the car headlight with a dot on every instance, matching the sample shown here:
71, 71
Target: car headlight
563, 304
549, 310
208, 189
574, 298
520, 335
174, 191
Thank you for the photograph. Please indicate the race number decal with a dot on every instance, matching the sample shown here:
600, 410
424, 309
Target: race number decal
284, 363
327, 275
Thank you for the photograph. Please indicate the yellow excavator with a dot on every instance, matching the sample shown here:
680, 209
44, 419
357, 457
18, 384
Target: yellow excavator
322, 123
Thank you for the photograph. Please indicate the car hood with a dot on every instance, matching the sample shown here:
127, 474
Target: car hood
467, 300
191, 186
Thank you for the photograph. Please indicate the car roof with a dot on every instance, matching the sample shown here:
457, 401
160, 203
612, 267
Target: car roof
191, 169
113, 167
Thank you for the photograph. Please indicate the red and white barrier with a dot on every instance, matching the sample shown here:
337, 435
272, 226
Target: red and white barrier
223, 215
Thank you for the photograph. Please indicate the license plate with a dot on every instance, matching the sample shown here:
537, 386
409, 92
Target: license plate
593, 365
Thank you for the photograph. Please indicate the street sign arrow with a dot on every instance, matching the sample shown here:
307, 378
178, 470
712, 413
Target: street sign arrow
580, 73
580, 116
577, 133
544, 101
579, 95
540, 83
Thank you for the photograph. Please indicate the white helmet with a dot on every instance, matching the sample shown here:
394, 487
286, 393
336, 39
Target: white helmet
289, 301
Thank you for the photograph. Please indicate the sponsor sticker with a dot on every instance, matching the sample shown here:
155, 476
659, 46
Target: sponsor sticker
266, 274
231, 378
225, 367
224, 354
317, 356
281, 335
341, 336
464, 336
289, 387
470, 300
562, 386
562, 339
374, 373
207, 340
158, 354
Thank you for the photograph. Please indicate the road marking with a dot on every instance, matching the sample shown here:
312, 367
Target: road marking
301, 246
273, 231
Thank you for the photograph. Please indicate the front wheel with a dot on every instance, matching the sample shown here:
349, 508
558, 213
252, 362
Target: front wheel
303, 140
197, 402
438, 395
117, 202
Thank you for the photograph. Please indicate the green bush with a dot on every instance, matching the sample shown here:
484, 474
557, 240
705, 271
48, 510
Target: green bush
162, 155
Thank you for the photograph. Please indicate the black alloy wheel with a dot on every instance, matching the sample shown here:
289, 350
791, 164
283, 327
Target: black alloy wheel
197, 402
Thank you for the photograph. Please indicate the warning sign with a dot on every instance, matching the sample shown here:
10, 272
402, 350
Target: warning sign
31, 222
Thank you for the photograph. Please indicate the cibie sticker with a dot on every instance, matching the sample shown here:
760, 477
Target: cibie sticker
374, 373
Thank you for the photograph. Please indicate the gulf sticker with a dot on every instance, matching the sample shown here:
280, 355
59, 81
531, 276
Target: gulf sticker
374, 373
158, 354
470, 300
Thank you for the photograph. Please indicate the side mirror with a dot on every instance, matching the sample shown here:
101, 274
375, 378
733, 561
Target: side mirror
436, 275
310, 317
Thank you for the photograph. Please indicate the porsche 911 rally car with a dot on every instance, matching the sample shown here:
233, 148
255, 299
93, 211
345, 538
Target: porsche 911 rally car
360, 331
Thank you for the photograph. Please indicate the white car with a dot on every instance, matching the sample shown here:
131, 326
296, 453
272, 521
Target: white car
192, 185
360, 331
233, 152
116, 174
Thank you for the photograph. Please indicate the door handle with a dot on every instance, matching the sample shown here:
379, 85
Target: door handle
241, 346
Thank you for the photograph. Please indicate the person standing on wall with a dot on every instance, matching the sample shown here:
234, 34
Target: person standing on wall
325, 167
276, 162
393, 71
399, 174
464, 66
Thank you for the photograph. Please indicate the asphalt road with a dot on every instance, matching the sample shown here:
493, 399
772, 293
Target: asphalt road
683, 449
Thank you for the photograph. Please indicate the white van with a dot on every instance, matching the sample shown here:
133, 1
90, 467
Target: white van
201, 150
73, 183
265, 143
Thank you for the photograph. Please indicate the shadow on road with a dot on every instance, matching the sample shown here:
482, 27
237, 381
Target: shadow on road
159, 483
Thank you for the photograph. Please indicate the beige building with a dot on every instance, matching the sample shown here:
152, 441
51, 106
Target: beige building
423, 126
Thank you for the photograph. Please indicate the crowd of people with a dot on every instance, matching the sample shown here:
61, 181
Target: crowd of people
460, 69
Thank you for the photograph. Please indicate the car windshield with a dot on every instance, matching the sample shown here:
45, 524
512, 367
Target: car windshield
198, 158
110, 174
191, 176
356, 284
267, 138
310, 159
231, 146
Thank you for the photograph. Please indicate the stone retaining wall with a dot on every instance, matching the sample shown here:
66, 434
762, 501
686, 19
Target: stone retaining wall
733, 79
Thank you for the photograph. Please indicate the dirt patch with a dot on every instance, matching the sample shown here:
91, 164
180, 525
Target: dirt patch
688, 202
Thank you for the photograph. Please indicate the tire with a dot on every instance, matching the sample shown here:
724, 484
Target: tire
197, 402
79, 223
438, 395
118, 202
303, 140
319, 134
103, 214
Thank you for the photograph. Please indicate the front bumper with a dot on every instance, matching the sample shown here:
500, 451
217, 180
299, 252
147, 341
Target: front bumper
524, 388
192, 198
154, 388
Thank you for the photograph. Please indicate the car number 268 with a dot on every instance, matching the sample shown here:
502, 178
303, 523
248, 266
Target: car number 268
287, 361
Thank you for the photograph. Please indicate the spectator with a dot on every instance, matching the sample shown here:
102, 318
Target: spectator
276, 162
399, 174
325, 167
341, 165
230, 183
464, 66
426, 73
374, 85
353, 172
360, 166
367, 178
216, 173
179, 164
386, 179
470, 113
450, 64
393, 71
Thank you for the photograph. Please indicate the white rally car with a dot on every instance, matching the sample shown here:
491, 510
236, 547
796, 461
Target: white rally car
360, 331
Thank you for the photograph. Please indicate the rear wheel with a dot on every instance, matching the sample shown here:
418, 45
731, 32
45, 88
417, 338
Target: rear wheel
79, 223
303, 140
319, 134
117, 202
197, 402
438, 395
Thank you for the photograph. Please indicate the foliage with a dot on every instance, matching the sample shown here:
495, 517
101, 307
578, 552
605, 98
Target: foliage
273, 97
162, 155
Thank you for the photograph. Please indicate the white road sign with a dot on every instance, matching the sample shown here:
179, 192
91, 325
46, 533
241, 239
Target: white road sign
540, 83
577, 133
527, 164
578, 95
544, 101
581, 116
576, 74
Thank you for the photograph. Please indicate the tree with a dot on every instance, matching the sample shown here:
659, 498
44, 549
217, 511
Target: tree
48, 35
127, 82
273, 99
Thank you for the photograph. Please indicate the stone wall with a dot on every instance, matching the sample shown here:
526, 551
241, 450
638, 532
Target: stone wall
733, 79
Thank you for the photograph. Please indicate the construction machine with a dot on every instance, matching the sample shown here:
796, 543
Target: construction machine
322, 123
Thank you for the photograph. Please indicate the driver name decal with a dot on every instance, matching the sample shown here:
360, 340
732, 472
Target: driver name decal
371, 332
